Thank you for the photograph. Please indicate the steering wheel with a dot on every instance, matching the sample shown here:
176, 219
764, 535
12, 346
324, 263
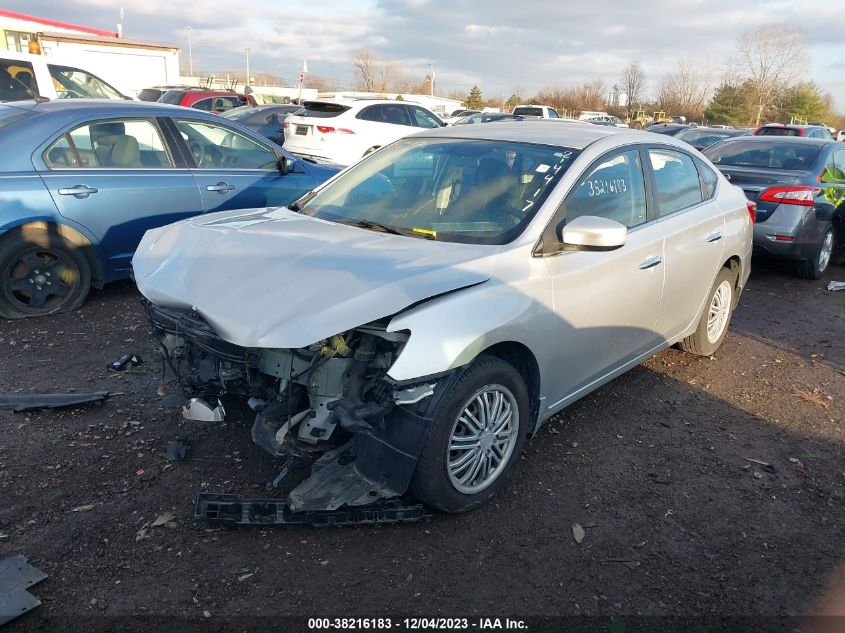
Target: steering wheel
212, 156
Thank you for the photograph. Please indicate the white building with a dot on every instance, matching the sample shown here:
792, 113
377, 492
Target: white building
128, 65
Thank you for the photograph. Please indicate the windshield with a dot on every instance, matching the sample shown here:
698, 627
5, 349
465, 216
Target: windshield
173, 97
76, 83
778, 131
702, 138
770, 154
454, 190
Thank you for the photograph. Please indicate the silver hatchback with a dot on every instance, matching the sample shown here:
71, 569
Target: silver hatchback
414, 320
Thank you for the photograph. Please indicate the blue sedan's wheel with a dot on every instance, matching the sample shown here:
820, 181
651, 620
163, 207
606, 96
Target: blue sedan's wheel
40, 274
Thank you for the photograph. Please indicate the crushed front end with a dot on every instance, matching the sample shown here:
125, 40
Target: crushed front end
332, 400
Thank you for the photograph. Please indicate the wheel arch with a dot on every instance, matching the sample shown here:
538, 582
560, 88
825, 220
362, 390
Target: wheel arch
31, 229
735, 265
521, 358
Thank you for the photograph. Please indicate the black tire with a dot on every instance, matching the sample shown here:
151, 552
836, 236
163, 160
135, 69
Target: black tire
41, 255
432, 483
699, 342
815, 268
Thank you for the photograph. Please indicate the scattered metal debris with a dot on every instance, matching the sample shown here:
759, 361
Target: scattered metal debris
31, 401
16, 576
232, 510
833, 286
123, 361
199, 410
177, 449
578, 532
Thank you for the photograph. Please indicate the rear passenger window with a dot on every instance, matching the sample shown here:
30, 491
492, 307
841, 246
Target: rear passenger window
373, 113
130, 144
614, 189
708, 179
675, 181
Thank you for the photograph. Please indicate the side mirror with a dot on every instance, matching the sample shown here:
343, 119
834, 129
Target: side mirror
590, 232
286, 164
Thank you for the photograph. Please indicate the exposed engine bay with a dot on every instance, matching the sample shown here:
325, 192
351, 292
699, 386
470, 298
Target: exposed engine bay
332, 399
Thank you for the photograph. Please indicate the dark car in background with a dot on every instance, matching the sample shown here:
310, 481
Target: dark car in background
808, 131
216, 101
669, 129
798, 185
266, 120
703, 137
487, 117
85, 179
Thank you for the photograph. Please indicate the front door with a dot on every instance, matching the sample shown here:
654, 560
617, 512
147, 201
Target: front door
117, 178
234, 171
606, 302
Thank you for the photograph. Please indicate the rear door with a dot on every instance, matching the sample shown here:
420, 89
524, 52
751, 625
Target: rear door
236, 171
118, 178
692, 224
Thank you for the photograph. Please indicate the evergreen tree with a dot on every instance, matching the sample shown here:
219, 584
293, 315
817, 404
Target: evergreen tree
728, 107
474, 100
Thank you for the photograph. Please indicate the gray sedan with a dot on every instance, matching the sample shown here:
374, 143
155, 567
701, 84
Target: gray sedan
419, 316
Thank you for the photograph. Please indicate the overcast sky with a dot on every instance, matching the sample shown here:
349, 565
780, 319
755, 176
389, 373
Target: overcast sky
499, 45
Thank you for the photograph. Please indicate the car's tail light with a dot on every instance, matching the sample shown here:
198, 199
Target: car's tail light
327, 129
800, 194
752, 210
784, 238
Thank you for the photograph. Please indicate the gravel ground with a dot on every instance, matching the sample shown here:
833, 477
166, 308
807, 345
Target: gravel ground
656, 467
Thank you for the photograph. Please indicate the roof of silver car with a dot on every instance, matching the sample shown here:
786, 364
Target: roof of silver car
546, 132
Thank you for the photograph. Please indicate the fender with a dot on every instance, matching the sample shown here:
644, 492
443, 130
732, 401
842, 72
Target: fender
478, 317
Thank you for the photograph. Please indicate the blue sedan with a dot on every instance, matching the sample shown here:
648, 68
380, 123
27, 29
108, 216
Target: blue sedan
82, 180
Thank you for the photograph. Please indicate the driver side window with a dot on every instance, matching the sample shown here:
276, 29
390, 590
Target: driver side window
218, 147
613, 189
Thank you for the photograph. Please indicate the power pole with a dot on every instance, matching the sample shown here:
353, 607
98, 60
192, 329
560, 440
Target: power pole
246, 83
431, 78
190, 54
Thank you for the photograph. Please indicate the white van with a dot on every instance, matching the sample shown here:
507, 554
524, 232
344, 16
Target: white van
25, 76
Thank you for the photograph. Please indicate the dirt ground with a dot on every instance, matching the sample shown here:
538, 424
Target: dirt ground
656, 467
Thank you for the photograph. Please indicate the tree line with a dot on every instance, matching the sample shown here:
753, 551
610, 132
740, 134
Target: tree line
765, 79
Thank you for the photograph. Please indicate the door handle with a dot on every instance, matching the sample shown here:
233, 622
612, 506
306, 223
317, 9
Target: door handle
220, 187
714, 237
651, 262
78, 191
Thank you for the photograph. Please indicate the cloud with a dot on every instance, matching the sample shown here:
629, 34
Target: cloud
497, 43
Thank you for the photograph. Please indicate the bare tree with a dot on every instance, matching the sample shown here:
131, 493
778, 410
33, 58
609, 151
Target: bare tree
770, 58
364, 63
592, 95
633, 84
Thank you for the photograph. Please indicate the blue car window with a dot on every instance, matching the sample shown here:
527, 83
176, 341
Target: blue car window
218, 147
121, 144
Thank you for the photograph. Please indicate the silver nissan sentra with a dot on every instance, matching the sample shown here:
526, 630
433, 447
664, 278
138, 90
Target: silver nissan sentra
414, 320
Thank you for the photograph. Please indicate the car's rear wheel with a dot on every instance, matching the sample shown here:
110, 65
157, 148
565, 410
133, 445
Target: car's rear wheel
40, 274
713, 326
815, 267
480, 421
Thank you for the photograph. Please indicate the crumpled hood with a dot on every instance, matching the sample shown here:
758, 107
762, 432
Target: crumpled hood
275, 278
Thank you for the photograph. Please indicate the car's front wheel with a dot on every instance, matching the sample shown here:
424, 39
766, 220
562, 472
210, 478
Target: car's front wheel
480, 421
815, 267
40, 274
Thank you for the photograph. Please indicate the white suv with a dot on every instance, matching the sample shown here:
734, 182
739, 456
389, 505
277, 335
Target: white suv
536, 111
343, 132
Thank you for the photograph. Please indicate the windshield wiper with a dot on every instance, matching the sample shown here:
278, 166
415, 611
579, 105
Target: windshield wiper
383, 228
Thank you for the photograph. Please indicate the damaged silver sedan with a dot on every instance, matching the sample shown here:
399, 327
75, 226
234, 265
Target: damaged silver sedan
414, 320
